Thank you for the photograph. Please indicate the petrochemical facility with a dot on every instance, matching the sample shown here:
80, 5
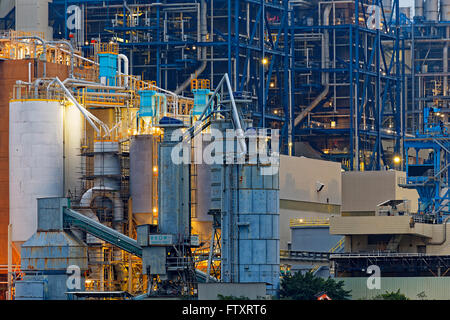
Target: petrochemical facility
196, 149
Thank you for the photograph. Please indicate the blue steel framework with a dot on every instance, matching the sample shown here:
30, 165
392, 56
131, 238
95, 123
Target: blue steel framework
429, 72
167, 43
366, 102
426, 152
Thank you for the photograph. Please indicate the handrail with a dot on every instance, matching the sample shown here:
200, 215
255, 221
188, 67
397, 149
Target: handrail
300, 222
338, 245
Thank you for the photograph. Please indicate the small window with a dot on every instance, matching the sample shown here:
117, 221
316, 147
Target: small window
421, 249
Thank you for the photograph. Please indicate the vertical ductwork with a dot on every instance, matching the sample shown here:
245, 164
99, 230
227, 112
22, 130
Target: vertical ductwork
431, 10
418, 8
203, 33
445, 16
445, 10
324, 65
106, 184
445, 62
126, 65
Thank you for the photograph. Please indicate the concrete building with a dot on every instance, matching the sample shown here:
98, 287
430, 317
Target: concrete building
312, 192
412, 254
363, 191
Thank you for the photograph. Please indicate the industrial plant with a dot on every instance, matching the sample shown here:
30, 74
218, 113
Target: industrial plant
202, 149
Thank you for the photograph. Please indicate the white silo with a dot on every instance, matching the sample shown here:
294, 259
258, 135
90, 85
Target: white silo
431, 10
418, 8
35, 161
73, 136
44, 161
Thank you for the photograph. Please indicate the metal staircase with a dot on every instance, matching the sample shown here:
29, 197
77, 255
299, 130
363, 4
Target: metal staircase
337, 248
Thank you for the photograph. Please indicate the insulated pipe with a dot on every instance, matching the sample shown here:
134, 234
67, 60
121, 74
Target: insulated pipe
85, 203
418, 8
325, 75
444, 231
114, 196
89, 116
125, 67
234, 114
193, 76
130, 11
72, 52
204, 31
445, 63
44, 44
29, 72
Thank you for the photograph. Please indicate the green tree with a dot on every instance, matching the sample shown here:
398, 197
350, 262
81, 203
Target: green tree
306, 286
222, 297
391, 296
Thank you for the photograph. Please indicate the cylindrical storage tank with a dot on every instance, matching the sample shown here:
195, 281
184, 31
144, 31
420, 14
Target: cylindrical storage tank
431, 10
248, 199
73, 130
445, 10
35, 161
173, 187
141, 178
418, 8
107, 164
201, 195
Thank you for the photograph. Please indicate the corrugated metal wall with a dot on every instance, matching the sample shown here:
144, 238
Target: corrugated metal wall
434, 288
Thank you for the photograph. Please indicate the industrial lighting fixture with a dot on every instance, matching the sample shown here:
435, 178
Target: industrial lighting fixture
194, 47
333, 124
319, 186
397, 159
275, 111
265, 61
155, 169
272, 85
155, 210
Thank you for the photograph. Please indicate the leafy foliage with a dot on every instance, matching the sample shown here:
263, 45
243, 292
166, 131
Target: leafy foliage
221, 297
391, 296
306, 286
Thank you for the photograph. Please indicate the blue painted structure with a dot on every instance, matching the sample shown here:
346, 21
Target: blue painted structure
168, 52
430, 178
147, 103
201, 97
108, 67
313, 238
